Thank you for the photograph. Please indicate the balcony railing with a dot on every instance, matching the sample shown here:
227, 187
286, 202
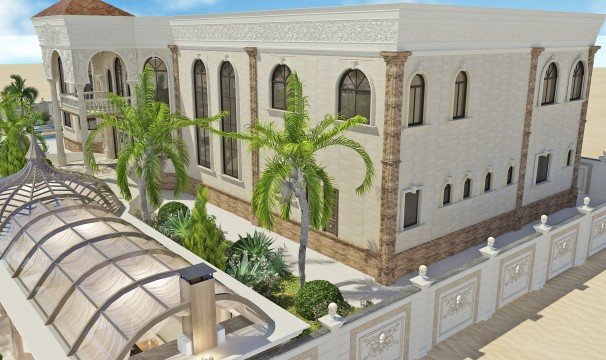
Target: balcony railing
95, 102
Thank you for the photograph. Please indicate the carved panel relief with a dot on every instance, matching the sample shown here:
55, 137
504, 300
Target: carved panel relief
597, 239
338, 31
562, 251
47, 61
52, 35
515, 275
384, 338
456, 306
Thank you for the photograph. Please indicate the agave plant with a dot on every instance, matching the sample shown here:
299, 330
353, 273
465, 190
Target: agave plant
257, 245
177, 225
255, 274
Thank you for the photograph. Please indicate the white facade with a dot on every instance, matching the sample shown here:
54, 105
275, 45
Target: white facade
491, 46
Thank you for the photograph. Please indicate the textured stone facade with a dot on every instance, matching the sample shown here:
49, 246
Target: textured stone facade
76, 146
390, 174
582, 122
532, 82
254, 105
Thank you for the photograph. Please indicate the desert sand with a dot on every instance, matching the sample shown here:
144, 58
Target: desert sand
565, 320
594, 143
33, 74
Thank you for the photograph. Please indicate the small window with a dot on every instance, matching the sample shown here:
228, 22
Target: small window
416, 102
67, 119
447, 194
89, 87
577, 82
119, 75
487, 182
411, 209
278, 82
110, 86
354, 95
510, 175
333, 224
460, 96
543, 168
569, 158
549, 85
467, 189
92, 123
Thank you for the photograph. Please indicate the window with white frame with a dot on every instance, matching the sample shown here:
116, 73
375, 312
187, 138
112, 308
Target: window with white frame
577, 82
543, 168
550, 82
411, 208
488, 182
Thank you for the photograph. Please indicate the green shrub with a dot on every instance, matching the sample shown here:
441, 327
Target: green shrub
313, 298
204, 238
168, 209
177, 226
256, 274
257, 245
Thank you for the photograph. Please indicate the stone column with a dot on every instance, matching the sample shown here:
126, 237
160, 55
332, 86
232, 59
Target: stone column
56, 112
390, 174
174, 50
254, 105
583, 120
84, 132
532, 82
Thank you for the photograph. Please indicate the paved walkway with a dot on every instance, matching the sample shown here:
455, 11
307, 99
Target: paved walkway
564, 320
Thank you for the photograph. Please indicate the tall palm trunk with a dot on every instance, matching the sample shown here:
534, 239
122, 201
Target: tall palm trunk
304, 236
143, 195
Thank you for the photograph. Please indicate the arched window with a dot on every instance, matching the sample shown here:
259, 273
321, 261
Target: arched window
201, 104
467, 188
278, 86
447, 194
110, 86
354, 95
229, 124
549, 84
119, 73
487, 182
569, 158
62, 84
460, 96
160, 76
510, 175
416, 103
577, 81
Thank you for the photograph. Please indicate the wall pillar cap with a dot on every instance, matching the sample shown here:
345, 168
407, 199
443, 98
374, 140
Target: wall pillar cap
543, 228
585, 208
332, 321
422, 281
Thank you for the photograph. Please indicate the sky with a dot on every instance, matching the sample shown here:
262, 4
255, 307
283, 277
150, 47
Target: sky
19, 44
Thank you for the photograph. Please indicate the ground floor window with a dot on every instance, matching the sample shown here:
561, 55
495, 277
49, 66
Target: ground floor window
411, 209
543, 168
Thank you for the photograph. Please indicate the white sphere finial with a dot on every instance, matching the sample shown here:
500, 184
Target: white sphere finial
586, 201
544, 220
423, 271
332, 310
491, 242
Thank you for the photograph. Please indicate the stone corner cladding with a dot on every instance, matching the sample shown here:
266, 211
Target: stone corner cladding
402, 263
76, 146
360, 259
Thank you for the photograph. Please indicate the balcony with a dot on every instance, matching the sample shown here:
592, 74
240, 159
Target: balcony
95, 101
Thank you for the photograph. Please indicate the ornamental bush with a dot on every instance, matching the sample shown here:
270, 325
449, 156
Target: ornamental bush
172, 208
313, 298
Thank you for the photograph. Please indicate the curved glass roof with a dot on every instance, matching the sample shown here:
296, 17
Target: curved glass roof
97, 280
39, 182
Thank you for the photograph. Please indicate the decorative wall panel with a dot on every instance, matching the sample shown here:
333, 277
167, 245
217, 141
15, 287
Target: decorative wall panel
515, 275
562, 251
597, 238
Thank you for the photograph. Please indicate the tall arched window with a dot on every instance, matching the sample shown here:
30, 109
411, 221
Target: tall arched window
354, 95
416, 103
229, 124
577, 81
201, 104
160, 78
62, 84
467, 188
510, 175
278, 86
549, 84
119, 73
487, 182
447, 194
110, 86
460, 96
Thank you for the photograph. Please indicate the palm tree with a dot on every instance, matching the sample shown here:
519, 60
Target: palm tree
294, 170
150, 125
25, 94
15, 128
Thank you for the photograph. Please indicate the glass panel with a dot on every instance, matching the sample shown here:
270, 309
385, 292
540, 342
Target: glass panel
229, 123
487, 182
354, 95
411, 208
510, 175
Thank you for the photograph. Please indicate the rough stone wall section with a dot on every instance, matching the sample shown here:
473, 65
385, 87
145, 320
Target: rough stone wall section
363, 260
582, 122
532, 82
390, 174
75, 146
174, 49
254, 105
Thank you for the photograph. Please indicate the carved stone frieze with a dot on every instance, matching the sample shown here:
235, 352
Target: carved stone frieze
52, 35
359, 31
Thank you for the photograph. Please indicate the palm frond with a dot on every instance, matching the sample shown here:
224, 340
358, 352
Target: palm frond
266, 193
359, 149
